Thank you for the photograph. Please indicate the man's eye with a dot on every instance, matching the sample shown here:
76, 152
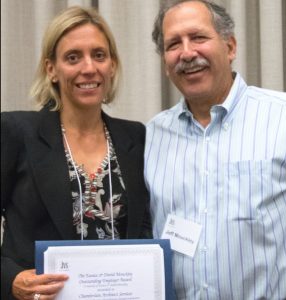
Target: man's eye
171, 46
199, 38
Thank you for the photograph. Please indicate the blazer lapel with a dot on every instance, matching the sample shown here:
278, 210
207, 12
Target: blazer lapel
49, 164
50, 170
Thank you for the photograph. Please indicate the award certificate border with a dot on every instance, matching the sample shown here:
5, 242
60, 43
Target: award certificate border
42, 246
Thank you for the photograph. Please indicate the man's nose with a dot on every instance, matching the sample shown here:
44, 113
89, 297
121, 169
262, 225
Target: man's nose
188, 51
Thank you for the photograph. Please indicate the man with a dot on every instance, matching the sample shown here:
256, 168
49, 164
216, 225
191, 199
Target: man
215, 163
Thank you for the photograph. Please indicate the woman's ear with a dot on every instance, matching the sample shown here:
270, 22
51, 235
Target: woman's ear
113, 68
50, 69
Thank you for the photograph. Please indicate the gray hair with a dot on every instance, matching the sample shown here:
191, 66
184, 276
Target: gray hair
222, 21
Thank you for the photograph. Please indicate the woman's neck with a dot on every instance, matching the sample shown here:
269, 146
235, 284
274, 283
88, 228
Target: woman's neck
87, 122
85, 138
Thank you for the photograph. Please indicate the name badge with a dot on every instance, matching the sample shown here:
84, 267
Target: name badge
183, 234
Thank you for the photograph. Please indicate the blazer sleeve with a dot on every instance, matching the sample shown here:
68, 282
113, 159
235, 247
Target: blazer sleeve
146, 227
10, 149
146, 232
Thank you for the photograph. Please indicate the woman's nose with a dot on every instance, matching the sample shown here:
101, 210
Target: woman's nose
89, 65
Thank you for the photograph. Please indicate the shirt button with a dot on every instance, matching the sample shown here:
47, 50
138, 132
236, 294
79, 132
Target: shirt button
208, 138
205, 286
205, 210
205, 249
225, 126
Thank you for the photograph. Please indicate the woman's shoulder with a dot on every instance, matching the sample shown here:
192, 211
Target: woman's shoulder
124, 130
21, 121
25, 115
18, 116
129, 125
15, 126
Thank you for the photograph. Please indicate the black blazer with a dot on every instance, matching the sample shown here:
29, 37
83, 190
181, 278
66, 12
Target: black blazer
35, 185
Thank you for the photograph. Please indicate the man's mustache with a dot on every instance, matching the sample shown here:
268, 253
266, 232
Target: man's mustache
195, 63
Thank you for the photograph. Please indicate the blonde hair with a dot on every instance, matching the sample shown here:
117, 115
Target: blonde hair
43, 89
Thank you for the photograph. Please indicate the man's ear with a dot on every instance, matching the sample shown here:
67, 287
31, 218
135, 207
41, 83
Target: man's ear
165, 66
231, 44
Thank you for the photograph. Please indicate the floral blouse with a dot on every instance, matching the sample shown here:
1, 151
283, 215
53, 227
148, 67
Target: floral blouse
97, 218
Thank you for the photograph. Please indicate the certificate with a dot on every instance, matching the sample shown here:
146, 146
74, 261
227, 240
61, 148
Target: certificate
109, 271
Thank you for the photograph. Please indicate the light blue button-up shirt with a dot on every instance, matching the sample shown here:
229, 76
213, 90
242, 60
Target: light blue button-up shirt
230, 177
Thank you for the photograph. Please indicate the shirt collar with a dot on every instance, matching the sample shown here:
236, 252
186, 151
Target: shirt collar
235, 95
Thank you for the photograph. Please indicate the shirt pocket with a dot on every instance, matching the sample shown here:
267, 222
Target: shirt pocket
246, 189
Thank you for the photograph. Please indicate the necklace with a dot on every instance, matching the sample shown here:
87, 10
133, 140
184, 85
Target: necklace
92, 179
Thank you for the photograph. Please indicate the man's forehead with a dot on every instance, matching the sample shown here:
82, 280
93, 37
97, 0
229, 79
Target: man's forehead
191, 10
187, 4
190, 7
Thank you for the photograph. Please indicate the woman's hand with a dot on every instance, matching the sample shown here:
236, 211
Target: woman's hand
26, 284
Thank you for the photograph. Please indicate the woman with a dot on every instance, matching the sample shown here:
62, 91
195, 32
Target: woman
69, 171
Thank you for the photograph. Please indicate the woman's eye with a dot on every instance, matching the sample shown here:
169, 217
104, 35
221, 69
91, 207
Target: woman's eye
100, 56
72, 58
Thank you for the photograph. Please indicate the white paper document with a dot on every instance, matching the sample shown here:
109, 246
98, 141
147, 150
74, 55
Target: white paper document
113, 272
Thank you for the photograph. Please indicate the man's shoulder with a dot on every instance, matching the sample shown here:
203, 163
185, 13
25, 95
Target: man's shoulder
165, 115
267, 95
